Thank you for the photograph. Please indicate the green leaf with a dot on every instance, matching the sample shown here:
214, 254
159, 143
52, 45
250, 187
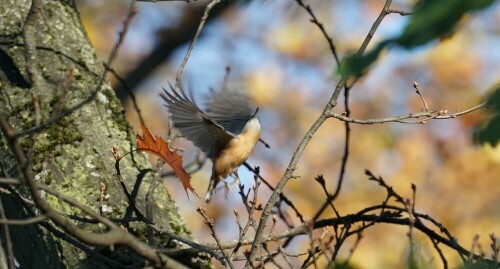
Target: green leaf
432, 20
436, 18
489, 132
355, 65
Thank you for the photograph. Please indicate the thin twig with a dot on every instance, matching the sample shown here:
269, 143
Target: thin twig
29, 46
115, 220
415, 86
495, 248
313, 250
150, 200
329, 198
154, 1
271, 256
359, 236
285, 256
128, 91
475, 243
347, 142
7, 238
400, 12
211, 225
283, 197
93, 94
193, 42
325, 246
421, 117
205, 248
339, 242
321, 27
264, 257
130, 197
373, 29
169, 40
132, 11
88, 250
27, 221
440, 253
10, 181
250, 208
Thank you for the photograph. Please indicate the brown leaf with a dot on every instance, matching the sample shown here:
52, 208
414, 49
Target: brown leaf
159, 147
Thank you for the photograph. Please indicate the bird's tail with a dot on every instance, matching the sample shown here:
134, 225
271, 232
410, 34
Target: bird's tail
211, 187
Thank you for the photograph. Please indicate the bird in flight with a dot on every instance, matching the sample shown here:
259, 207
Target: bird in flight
227, 132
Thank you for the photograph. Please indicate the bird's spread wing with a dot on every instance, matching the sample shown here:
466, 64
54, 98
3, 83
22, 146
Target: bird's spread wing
194, 124
231, 109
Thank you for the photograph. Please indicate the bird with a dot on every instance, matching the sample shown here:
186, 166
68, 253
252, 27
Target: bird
226, 132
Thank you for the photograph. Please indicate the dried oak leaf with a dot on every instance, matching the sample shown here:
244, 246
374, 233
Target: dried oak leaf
159, 147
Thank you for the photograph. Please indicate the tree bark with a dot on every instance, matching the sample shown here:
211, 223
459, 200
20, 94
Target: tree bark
48, 66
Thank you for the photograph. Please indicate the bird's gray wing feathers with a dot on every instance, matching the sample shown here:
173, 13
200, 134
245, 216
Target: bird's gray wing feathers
194, 124
231, 109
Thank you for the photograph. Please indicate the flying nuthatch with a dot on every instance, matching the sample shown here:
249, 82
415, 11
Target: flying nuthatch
227, 132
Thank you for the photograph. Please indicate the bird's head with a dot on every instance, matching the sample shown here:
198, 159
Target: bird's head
253, 123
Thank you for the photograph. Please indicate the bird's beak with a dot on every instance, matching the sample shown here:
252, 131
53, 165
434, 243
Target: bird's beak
255, 113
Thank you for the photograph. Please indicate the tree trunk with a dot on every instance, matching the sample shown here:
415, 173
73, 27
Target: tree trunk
48, 67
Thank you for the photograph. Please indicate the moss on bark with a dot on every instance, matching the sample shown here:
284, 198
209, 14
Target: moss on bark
73, 155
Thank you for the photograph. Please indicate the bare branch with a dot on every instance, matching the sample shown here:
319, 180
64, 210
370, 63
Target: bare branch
440, 253
421, 117
315, 20
373, 29
27, 221
193, 42
208, 248
29, 45
400, 12
128, 91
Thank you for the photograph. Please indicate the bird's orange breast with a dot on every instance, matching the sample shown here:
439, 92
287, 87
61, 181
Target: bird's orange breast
236, 151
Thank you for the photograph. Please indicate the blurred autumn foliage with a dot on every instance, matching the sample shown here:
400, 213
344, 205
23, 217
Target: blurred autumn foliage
286, 65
